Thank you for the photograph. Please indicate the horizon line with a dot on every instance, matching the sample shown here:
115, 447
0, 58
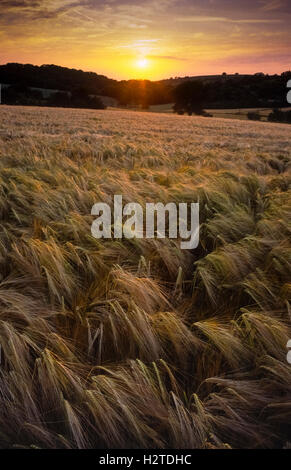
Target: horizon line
147, 79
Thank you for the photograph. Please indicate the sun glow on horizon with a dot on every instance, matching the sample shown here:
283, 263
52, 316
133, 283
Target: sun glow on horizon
142, 68
127, 40
142, 63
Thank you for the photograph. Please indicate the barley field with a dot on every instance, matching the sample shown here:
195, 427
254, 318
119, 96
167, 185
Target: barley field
137, 343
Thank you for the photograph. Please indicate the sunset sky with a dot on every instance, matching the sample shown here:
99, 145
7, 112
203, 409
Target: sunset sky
149, 39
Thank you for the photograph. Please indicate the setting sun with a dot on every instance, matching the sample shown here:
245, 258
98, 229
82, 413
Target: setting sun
142, 63
142, 68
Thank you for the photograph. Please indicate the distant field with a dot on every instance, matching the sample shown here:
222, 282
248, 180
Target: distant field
136, 343
242, 113
223, 113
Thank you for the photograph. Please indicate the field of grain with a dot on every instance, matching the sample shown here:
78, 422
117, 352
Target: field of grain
136, 343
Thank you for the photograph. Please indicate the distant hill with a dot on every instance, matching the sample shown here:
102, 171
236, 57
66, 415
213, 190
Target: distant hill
208, 79
55, 77
51, 85
230, 91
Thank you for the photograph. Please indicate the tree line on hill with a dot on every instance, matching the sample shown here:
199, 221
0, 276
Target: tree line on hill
51, 85
20, 94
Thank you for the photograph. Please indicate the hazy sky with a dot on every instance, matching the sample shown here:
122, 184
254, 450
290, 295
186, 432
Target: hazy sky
151, 38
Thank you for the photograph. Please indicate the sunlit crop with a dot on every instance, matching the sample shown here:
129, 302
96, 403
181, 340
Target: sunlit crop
137, 343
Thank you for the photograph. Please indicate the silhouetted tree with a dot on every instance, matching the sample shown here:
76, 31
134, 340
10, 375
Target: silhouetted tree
253, 116
60, 99
81, 99
280, 116
190, 97
20, 94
